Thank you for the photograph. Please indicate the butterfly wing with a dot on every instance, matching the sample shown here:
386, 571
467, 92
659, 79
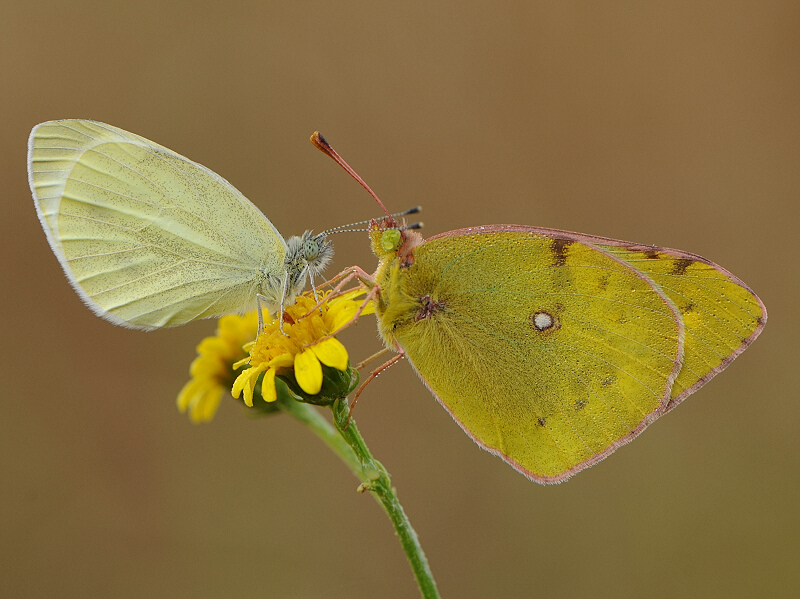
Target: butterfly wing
721, 315
548, 348
147, 237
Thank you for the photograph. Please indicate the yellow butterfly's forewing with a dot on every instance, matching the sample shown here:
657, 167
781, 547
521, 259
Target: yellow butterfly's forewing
720, 313
147, 237
549, 352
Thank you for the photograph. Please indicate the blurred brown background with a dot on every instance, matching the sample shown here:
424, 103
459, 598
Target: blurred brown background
674, 125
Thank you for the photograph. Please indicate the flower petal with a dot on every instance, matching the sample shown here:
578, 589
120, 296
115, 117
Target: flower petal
268, 391
211, 370
240, 363
187, 394
308, 372
338, 319
331, 353
245, 383
249, 385
281, 361
206, 406
342, 313
238, 384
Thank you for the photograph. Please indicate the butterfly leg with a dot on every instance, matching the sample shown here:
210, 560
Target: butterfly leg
349, 274
372, 376
372, 293
283, 300
259, 300
343, 279
374, 356
314, 290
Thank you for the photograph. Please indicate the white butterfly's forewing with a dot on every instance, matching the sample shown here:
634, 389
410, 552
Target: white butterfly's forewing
147, 237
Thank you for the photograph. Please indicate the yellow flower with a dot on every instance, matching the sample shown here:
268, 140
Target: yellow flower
299, 345
212, 370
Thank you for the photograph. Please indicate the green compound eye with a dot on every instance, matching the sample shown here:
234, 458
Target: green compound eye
390, 240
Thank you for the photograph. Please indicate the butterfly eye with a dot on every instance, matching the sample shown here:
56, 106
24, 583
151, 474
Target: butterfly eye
390, 240
310, 249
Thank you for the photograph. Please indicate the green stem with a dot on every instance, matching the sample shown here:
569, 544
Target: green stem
377, 481
349, 445
313, 418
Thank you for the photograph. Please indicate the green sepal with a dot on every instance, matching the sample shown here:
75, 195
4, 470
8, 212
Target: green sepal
335, 384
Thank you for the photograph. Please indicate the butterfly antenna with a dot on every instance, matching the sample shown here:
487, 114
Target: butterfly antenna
417, 225
349, 228
323, 145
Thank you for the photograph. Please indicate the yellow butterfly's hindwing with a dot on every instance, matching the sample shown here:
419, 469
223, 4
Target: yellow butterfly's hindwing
721, 314
549, 349
146, 236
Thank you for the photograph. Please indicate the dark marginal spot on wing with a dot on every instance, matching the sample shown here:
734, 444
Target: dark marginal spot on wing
679, 266
559, 249
648, 251
685, 309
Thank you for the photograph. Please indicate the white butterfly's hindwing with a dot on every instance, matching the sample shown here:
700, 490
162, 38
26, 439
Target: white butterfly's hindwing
147, 237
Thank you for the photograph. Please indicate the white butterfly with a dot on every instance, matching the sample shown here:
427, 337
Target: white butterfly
149, 238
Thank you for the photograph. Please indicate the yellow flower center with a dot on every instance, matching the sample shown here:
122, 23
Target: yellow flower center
305, 343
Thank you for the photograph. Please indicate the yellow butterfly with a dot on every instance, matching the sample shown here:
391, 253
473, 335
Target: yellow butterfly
550, 348
149, 238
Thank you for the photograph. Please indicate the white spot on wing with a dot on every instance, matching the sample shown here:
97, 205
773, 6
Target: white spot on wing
542, 321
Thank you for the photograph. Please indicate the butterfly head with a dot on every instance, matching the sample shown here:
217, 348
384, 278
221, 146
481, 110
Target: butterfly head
307, 253
316, 250
307, 256
390, 239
